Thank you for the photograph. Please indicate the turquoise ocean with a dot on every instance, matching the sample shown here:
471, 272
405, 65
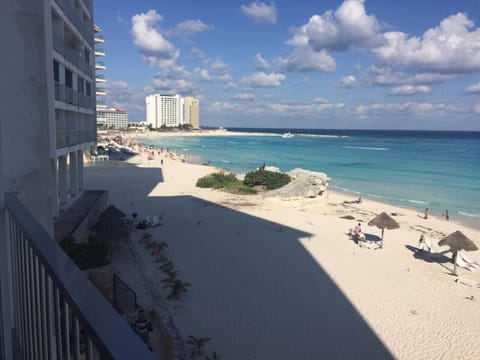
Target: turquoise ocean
415, 169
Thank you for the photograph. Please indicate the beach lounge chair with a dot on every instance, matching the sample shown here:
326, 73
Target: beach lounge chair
472, 263
372, 245
425, 244
468, 282
463, 264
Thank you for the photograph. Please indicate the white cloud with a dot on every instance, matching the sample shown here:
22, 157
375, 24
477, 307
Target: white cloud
260, 63
450, 48
386, 76
476, 109
261, 12
203, 74
261, 79
410, 90
349, 81
303, 57
219, 66
244, 97
191, 27
319, 100
348, 26
148, 38
415, 108
473, 89
197, 54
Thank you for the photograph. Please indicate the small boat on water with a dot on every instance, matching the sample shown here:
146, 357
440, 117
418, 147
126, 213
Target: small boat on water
287, 135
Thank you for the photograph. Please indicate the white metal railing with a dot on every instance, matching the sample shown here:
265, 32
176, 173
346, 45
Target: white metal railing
57, 312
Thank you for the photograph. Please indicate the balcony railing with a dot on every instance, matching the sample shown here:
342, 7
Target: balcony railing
56, 311
85, 30
68, 95
71, 54
74, 137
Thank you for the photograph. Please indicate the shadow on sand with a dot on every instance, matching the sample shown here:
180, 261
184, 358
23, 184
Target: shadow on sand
256, 291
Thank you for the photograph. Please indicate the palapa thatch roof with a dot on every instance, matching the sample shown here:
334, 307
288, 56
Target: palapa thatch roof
384, 221
458, 241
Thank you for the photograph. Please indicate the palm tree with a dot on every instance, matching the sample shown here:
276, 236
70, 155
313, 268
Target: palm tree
213, 356
171, 276
196, 345
167, 266
177, 287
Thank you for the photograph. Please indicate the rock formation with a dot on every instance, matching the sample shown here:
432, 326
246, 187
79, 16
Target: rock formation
304, 184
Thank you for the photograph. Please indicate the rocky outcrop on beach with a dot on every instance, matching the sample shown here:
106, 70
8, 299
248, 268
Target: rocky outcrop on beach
305, 184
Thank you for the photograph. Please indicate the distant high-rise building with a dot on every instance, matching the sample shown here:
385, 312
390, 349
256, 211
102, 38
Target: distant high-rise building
191, 112
164, 110
112, 118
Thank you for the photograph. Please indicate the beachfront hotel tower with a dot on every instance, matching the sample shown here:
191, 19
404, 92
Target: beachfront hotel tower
164, 110
112, 119
48, 307
172, 111
191, 112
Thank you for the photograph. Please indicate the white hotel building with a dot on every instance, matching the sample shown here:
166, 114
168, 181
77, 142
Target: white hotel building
171, 111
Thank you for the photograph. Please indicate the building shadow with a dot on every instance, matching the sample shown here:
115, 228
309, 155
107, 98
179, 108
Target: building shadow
256, 291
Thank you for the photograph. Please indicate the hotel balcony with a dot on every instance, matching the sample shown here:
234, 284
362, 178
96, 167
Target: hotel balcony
100, 78
73, 55
99, 52
100, 91
55, 311
99, 65
86, 30
68, 95
66, 138
98, 38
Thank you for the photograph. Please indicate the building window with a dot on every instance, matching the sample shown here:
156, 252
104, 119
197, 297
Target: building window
56, 71
88, 88
68, 78
81, 85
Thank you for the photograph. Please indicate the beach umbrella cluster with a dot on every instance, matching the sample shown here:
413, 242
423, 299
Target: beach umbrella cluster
384, 221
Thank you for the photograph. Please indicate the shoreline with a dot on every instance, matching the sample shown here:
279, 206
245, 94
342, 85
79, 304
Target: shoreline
464, 220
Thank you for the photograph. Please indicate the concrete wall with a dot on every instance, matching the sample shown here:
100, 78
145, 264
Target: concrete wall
26, 91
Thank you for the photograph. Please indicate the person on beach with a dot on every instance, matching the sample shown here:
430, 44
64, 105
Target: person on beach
426, 214
357, 233
447, 217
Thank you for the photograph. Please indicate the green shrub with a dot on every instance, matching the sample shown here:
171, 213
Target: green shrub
216, 180
91, 254
239, 188
269, 179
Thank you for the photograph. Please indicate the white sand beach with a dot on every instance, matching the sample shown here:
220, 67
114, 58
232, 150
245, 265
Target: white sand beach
275, 279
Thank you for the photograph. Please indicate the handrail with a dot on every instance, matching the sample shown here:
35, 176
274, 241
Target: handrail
35, 252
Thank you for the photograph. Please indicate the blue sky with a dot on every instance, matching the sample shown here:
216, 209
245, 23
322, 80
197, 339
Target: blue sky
306, 64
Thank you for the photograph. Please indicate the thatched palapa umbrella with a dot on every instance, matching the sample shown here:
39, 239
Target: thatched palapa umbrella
457, 241
384, 221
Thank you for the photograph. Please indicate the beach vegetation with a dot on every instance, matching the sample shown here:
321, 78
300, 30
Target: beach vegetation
88, 255
196, 346
239, 188
269, 179
217, 180
177, 288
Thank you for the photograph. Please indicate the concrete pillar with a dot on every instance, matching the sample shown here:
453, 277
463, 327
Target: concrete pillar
80, 170
73, 173
54, 185
62, 180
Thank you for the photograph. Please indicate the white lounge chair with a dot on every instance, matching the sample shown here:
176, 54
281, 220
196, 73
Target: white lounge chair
468, 261
463, 264
425, 244
468, 282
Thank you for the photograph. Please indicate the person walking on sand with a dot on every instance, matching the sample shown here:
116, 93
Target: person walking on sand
426, 214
